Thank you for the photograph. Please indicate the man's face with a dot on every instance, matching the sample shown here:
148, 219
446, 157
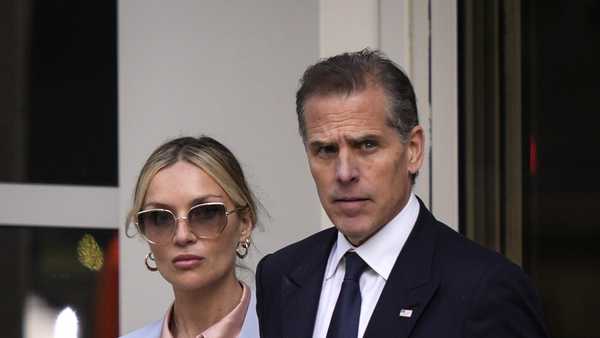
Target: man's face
359, 163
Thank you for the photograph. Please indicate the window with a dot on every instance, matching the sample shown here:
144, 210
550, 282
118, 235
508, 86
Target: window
528, 146
58, 97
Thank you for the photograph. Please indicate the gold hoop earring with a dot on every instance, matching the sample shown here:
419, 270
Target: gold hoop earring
150, 256
242, 249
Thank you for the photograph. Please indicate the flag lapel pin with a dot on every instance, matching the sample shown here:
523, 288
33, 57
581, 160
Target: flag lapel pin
406, 313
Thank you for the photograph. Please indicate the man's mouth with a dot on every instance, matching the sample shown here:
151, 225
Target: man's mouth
350, 205
349, 199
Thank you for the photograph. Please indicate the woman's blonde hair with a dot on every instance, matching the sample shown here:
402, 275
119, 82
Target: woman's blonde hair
205, 153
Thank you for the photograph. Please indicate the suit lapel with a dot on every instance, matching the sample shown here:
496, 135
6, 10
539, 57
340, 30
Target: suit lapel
411, 283
302, 288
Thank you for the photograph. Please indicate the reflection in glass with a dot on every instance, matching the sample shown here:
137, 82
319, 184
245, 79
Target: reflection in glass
89, 253
63, 282
38, 318
66, 325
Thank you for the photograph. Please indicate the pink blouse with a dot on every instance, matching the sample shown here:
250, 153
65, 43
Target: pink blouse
228, 327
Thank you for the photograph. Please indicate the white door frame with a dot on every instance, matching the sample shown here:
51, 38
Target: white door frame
59, 206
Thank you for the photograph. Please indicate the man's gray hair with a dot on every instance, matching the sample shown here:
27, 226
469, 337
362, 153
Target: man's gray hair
349, 73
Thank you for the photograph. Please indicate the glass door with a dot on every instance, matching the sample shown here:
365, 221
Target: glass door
529, 86
561, 69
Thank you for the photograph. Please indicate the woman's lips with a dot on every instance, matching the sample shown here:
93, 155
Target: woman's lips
187, 261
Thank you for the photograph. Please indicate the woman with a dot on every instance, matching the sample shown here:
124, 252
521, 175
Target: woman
194, 208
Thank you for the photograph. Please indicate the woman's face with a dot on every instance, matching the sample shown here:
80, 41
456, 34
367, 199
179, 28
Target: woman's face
186, 261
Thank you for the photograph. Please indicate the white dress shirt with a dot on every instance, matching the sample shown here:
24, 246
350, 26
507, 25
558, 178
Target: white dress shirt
379, 252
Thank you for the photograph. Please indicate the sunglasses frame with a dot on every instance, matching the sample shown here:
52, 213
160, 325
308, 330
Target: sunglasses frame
178, 218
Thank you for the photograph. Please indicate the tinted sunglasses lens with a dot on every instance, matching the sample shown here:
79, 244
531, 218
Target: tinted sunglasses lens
208, 220
156, 225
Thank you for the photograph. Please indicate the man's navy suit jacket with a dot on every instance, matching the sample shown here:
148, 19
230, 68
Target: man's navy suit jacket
454, 288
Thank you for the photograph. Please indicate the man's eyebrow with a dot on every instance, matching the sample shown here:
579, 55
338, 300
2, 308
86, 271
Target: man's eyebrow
318, 143
368, 137
363, 138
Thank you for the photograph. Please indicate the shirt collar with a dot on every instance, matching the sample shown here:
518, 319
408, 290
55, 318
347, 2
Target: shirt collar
338, 251
381, 250
228, 326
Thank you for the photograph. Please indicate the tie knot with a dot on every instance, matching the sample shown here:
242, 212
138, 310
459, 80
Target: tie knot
355, 266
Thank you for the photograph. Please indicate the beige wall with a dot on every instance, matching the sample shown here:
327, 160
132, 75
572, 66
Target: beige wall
230, 70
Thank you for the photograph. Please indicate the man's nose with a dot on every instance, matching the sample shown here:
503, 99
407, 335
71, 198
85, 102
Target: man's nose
347, 169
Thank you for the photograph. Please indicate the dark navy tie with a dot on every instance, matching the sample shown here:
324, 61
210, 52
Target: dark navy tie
346, 314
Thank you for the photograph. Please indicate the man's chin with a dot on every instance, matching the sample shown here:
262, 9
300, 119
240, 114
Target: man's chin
354, 230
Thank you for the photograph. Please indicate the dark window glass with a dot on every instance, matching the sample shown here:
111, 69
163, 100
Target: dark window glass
59, 280
529, 87
58, 92
561, 72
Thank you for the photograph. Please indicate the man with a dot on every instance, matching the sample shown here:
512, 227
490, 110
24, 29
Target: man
388, 268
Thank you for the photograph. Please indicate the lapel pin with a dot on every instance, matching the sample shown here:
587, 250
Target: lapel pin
406, 313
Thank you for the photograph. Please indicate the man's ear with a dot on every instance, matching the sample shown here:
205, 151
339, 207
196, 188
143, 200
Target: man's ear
415, 149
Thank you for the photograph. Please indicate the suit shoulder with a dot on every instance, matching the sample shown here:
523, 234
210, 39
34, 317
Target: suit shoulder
462, 254
307, 244
496, 294
454, 253
297, 251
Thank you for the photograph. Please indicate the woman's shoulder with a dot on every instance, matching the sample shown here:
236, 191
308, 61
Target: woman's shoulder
149, 331
250, 326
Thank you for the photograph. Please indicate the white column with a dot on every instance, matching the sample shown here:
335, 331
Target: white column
444, 111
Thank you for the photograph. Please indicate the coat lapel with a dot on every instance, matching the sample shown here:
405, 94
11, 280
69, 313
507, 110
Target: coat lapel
411, 284
302, 288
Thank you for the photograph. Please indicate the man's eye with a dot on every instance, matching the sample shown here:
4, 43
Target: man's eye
369, 145
326, 150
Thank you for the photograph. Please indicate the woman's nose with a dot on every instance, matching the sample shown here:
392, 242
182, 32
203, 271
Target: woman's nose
183, 232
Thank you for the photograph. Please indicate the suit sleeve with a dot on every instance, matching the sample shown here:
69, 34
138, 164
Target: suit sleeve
505, 305
261, 298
